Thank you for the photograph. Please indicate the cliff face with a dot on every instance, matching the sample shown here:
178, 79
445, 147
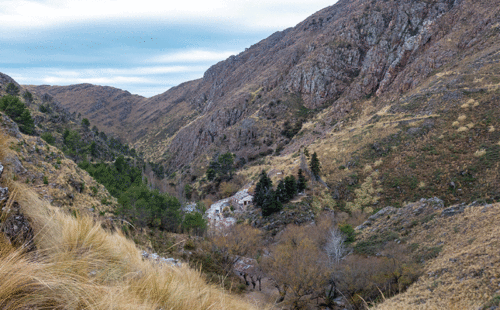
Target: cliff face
341, 55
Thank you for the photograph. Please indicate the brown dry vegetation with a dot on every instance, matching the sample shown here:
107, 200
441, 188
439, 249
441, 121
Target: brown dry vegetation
79, 265
465, 274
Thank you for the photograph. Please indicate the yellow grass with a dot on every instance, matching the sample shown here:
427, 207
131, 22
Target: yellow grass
465, 274
79, 265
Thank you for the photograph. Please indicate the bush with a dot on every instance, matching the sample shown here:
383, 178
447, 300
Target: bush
195, 223
28, 97
12, 89
48, 137
16, 110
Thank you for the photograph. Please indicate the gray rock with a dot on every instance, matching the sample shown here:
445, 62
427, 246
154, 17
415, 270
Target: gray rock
1, 170
17, 229
453, 211
4, 193
384, 212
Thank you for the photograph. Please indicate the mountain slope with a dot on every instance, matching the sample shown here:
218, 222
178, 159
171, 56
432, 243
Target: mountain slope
340, 55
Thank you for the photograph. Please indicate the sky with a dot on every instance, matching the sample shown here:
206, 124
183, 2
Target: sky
143, 46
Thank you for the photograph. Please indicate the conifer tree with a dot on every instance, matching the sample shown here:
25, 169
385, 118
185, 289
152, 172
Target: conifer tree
315, 165
301, 182
263, 189
291, 187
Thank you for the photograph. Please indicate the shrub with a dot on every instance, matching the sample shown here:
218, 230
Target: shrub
16, 110
12, 89
48, 137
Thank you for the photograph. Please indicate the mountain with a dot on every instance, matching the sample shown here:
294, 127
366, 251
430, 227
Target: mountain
336, 58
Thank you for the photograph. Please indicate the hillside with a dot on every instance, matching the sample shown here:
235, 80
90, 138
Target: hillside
399, 101
330, 62
59, 246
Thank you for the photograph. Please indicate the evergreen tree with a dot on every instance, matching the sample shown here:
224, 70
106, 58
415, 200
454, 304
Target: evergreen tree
86, 123
281, 194
291, 187
315, 165
16, 110
12, 89
272, 205
28, 97
301, 182
263, 190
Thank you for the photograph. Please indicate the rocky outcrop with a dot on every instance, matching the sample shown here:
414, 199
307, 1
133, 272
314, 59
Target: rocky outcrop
340, 55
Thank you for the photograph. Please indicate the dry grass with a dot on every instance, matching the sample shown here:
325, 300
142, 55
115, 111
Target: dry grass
79, 265
465, 275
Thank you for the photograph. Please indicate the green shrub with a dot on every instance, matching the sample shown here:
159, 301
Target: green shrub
16, 110
12, 89
48, 137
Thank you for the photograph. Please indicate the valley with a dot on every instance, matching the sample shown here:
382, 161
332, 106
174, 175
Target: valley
349, 162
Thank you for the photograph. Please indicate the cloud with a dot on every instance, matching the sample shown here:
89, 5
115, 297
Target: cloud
257, 14
146, 81
191, 56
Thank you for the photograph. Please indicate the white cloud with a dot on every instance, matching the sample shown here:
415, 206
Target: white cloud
255, 14
146, 81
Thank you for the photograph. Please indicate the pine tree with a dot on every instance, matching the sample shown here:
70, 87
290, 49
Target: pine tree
12, 89
315, 166
291, 187
263, 189
301, 182
281, 194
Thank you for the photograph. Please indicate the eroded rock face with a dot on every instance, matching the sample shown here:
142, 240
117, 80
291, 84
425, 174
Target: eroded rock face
17, 229
340, 55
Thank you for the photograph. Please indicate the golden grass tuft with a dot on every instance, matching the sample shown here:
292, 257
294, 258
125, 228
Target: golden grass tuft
79, 265
480, 153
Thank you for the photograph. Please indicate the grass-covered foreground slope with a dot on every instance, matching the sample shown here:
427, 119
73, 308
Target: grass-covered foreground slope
71, 262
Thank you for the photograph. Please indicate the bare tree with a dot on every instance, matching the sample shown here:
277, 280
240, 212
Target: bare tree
335, 248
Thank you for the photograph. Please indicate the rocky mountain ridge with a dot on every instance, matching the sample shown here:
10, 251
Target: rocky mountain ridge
341, 55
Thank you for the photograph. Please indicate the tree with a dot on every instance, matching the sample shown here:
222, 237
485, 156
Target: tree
301, 182
265, 197
16, 110
335, 248
93, 149
221, 166
195, 223
296, 265
12, 89
234, 242
85, 123
28, 97
281, 194
48, 137
315, 165
263, 189
291, 187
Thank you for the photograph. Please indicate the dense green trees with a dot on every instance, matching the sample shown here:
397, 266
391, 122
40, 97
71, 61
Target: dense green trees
143, 206
271, 201
150, 208
16, 110
221, 167
117, 177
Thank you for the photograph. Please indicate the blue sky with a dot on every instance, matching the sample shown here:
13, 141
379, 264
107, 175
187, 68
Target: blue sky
143, 46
